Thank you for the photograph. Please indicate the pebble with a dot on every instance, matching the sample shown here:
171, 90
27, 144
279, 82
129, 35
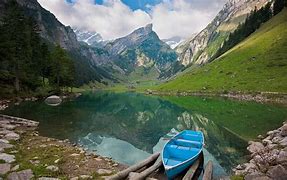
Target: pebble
52, 168
86, 177
104, 171
57, 161
15, 168
48, 178
74, 155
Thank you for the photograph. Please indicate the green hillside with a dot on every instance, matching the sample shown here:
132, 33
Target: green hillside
259, 63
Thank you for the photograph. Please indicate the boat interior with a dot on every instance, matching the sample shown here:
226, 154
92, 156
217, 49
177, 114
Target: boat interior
182, 147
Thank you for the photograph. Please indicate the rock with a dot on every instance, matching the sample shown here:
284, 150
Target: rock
115, 165
276, 139
283, 142
12, 136
4, 168
86, 177
6, 146
104, 171
43, 145
4, 141
53, 100
13, 152
15, 168
256, 176
74, 178
266, 141
282, 157
284, 130
260, 137
8, 126
255, 147
21, 175
48, 178
57, 161
7, 158
52, 168
98, 159
35, 162
277, 172
74, 155
4, 132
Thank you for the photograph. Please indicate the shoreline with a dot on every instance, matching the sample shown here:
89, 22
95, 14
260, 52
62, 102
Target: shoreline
259, 97
24, 153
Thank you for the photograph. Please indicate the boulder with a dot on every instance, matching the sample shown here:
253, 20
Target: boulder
4, 168
277, 172
282, 157
256, 176
12, 136
21, 175
7, 157
255, 147
5, 145
53, 100
284, 130
283, 142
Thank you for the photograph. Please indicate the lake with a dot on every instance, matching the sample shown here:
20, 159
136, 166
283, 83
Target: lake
128, 127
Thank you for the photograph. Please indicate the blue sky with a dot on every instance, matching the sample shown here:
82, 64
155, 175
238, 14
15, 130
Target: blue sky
117, 18
133, 4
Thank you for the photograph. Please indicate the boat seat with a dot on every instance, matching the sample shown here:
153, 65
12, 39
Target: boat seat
188, 143
172, 161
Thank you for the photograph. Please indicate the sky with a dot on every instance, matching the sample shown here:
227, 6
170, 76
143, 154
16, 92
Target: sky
117, 18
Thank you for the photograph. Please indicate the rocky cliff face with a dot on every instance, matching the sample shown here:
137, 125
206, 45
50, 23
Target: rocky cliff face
51, 29
199, 49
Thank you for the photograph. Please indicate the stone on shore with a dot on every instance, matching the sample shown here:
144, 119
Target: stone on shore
7, 157
255, 147
48, 178
277, 172
52, 168
4, 168
12, 136
284, 130
21, 175
104, 171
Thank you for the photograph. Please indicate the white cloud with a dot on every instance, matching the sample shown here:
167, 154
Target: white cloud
114, 19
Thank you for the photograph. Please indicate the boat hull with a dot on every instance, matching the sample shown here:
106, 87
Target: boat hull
181, 152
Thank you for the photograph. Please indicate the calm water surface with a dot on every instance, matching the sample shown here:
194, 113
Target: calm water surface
129, 127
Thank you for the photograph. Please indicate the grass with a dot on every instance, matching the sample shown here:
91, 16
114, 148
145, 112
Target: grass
257, 64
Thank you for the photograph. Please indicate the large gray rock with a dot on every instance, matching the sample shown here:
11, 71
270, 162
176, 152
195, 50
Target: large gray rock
21, 175
284, 130
7, 157
256, 176
5, 145
53, 100
255, 147
283, 142
4, 168
277, 172
282, 157
12, 136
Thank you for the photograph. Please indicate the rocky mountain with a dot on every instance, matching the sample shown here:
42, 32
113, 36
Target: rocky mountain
93, 39
173, 42
141, 48
199, 49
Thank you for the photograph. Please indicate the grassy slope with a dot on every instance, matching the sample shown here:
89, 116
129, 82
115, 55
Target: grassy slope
237, 70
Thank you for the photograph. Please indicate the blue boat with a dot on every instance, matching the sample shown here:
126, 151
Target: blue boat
181, 152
